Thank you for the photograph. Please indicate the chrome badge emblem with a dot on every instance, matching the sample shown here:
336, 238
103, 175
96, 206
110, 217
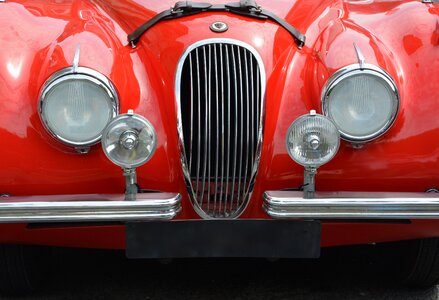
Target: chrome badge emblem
218, 26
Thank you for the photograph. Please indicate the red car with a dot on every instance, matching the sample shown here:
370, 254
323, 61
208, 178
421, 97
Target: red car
241, 129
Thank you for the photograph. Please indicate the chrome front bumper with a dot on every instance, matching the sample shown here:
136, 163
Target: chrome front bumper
344, 205
89, 208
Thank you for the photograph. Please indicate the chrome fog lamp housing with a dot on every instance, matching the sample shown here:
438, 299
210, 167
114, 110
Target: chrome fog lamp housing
312, 140
129, 141
362, 100
76, 104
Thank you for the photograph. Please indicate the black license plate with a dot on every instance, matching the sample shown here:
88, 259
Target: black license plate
223, 238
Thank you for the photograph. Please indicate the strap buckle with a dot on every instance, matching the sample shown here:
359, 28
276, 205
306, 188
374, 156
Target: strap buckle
249, 6
189, 6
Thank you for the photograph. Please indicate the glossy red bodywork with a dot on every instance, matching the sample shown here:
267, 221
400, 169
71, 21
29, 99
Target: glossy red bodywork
39, 38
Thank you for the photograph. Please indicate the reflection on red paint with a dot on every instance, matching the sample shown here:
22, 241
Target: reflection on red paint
411, 43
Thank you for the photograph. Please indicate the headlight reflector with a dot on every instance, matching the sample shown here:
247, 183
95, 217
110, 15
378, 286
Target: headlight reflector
76, 107
312, 140
363, 103
129, 140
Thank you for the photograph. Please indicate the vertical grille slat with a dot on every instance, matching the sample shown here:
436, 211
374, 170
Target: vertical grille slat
236, 100
241, 127
248, 149
209, 144
220, 129
206, 93
192, 112
199, 124
228, 129
217, 127
252, 118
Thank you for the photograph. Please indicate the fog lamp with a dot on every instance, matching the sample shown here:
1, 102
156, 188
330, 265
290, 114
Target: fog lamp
129, 141
312, 140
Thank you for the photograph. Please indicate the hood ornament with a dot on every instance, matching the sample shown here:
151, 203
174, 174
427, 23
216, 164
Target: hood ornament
218, 26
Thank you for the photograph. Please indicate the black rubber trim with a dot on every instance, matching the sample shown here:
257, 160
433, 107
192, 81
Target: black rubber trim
223, 238
369, 221
247, 8
50, 225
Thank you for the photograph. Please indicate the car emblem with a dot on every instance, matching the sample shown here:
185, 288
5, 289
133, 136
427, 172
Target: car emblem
218, 26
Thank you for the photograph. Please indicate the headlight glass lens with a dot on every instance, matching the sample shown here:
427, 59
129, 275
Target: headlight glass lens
362, 103
76, 108
312, 140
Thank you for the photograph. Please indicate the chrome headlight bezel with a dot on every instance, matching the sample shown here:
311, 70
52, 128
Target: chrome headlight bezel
353, 70
80, 73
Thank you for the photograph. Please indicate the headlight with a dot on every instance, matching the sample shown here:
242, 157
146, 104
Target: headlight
312, 140
129, 140
362, 102
76, 107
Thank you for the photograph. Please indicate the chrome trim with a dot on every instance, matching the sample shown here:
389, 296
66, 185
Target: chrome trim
311, 114
248, 125
89, 208
252, 144
218, 26
355, 205
235, 152
360, 56
352, 70
260, 111
228, 127
192, 113
143, 123
84, 74
206, 133
199, 124
217, 126
75, 63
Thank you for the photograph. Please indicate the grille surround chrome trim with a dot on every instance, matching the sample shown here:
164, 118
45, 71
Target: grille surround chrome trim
186, 170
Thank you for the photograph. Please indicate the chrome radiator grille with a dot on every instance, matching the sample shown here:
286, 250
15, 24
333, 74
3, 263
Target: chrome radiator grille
220, 88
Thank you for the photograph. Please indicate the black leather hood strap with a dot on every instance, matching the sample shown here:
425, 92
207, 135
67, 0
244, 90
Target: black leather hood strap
247, 8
